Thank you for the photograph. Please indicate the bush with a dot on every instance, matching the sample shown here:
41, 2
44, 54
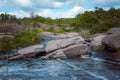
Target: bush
26, 38
51, 29
6, 45
40, 30
61, 30
95, 29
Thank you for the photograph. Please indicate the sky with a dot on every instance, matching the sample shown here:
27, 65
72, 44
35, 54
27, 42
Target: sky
54, 8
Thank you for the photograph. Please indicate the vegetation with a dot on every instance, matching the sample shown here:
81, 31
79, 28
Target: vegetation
95, 21
22, 39
90, 22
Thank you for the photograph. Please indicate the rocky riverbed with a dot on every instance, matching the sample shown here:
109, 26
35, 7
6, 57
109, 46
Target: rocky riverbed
62, 57
67, 45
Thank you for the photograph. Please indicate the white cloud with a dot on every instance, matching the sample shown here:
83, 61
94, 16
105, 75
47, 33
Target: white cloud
45, 12
51, 13
58, 4
20, 14
2, 2
60, 14
53, 8
23, 3
73, 12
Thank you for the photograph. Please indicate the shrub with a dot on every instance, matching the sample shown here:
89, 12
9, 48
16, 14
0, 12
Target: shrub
51, 29
40, 30
61, 30
26, 38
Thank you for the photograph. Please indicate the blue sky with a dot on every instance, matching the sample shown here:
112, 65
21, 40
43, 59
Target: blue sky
54, 8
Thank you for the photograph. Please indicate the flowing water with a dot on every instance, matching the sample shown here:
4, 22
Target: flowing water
88, 68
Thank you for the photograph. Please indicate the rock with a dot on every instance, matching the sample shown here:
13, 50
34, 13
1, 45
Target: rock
112, 40
114, 31
12, 27
67, 35
62, 43
75, 50
72, 51
10, 37
97, 41
29, 52
17, 57
60, 35
30, 49
59, 54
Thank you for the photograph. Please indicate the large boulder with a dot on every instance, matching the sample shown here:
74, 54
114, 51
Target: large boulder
10, 28
62, 43
75, 50
112, 40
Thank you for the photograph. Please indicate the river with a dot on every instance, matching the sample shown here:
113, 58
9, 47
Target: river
87, 68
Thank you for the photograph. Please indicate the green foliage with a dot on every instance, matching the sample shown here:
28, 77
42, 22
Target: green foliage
6, 45
7, 18
61, 30
51, 29
26, 38
40, 30
22, 39
97, 21
87, 17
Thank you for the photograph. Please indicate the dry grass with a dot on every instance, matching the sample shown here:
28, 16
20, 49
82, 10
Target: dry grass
85, 33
